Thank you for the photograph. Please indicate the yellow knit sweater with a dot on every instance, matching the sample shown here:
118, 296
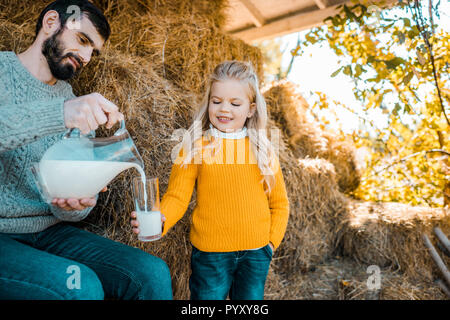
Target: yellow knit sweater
232, 210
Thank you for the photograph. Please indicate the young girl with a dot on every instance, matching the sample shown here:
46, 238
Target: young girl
242, 208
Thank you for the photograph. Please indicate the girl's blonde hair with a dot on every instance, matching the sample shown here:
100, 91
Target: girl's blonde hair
256, 125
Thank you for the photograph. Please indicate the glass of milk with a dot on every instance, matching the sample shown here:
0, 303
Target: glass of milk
146, 201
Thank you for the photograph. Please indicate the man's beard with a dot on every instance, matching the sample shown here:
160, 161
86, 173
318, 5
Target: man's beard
53, 49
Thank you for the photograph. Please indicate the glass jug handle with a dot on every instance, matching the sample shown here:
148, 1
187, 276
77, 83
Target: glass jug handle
72, 133
76, 133
122, 128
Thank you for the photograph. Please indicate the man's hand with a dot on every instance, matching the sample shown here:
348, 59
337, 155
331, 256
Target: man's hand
76, 204
88, 112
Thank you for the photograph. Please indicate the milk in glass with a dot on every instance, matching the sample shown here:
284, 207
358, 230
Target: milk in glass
146, 199
150, 225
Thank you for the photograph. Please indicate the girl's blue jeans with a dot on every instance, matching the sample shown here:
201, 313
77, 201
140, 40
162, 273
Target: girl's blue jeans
241, 275
65, 262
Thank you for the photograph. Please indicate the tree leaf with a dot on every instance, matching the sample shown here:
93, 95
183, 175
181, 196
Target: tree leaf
371, 59
358, 70
406, 22
407, 78
350, 15
407, 109
396, 109
421, 58
337, 21
311, 39
401, 37
348, 70
334, 74
394, 63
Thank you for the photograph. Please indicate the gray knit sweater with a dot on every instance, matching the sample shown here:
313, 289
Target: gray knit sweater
31, 120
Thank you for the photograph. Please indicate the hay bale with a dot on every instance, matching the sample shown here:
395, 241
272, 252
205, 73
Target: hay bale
157, 92
213, 10
153, 109
182, 39
13, 37
183, 47
154, 106
317, 284
20, 11
400, 287
343, 278
394, 285
316, 206
336, 278
390, 235
290, 111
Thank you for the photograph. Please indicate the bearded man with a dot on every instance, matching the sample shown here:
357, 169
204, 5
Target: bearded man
43, 256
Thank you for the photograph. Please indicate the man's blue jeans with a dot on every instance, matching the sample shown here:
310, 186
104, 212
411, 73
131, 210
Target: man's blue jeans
239, 274
65, 262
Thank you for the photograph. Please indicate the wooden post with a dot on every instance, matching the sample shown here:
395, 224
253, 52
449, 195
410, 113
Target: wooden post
443, 287
443, 239
437, 259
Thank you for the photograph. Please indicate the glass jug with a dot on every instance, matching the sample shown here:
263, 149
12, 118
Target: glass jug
81, 166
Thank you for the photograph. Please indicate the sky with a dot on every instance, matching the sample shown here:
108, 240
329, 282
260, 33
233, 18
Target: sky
312, 70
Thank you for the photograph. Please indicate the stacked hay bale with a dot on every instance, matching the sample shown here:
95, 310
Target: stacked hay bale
177, 45
291, 111
388, 235
345, 279
182, 39
316, 205
155, 78
156, 85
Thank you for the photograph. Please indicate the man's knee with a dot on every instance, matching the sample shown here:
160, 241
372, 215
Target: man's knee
154, 276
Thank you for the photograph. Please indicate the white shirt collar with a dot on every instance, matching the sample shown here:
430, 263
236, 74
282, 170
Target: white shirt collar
228, 135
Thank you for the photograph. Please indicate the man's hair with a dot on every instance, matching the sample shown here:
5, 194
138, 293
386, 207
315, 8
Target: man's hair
87, 8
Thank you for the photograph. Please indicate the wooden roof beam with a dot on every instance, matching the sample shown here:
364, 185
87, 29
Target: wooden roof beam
255, 14
284, 26
295, 23
322, 4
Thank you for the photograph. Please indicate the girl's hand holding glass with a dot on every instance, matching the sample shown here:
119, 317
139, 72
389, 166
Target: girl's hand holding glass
135, 223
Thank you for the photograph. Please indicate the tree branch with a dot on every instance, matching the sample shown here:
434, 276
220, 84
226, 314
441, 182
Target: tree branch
406, 158
292, 59
418, 17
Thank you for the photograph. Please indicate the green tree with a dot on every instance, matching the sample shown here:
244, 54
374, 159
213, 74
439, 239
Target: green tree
272, 58
399, 63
